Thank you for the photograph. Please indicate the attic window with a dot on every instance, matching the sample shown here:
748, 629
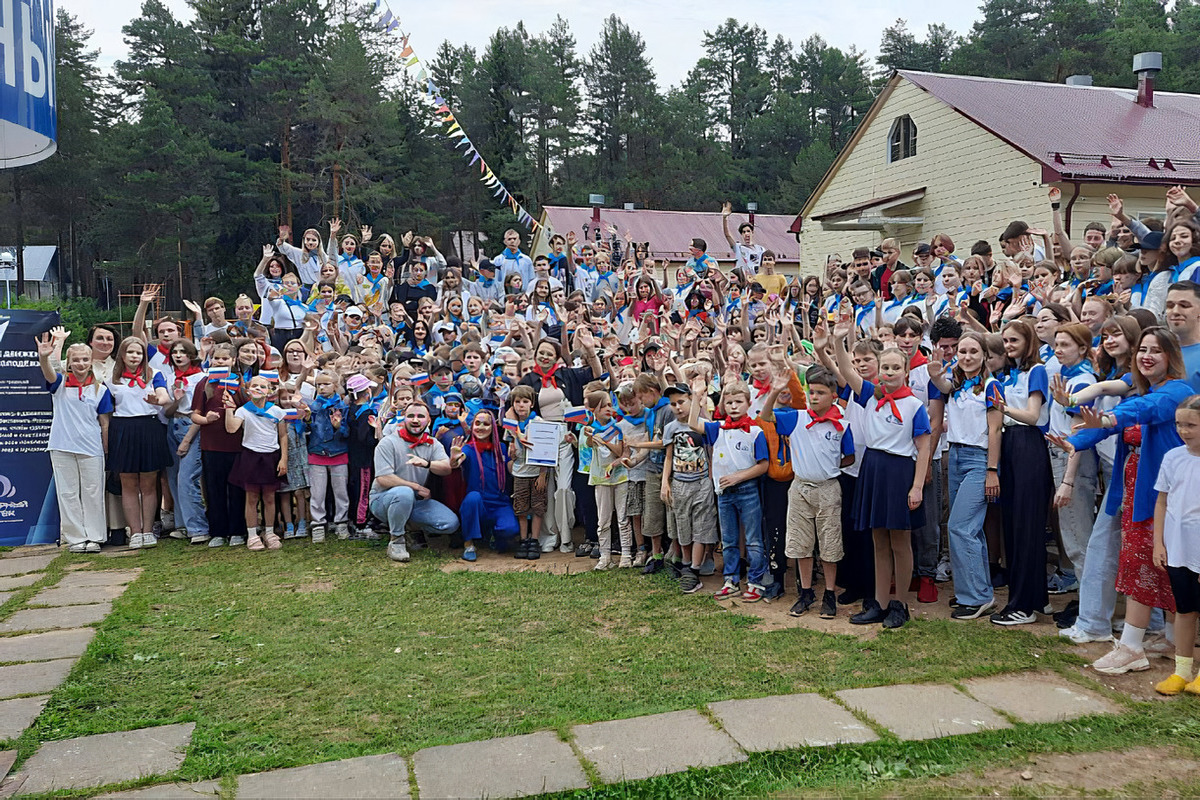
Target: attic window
902, 139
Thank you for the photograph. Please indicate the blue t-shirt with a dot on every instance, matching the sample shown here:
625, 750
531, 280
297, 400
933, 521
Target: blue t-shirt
1191, 363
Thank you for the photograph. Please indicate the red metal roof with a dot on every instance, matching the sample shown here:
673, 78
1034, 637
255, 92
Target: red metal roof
1087, 132
670, 232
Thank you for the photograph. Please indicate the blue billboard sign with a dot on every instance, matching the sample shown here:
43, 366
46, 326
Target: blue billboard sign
28, 117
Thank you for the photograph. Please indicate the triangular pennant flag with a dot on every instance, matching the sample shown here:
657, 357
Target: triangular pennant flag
454, 127
395, 24
386, 19
443, 108
475, 158
422, 74
465, 141
439, 100
498, 192
432, 90
406, 52
482, 166
411, 61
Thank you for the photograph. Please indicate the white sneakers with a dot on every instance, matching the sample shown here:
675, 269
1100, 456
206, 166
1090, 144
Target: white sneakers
1120, 660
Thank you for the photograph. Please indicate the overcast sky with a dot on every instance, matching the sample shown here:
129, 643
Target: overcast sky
673, 30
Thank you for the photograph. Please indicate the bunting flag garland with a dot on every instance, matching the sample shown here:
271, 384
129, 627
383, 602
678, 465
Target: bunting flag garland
388, 22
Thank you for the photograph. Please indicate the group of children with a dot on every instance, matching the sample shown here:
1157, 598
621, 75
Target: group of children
876, 429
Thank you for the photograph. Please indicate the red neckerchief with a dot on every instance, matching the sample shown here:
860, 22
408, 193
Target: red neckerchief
134, 378
414, 441
548, 380
917, 360
762, 387
192, 369
165, 350
742, 424
482, 445
72, 381
833, 416
891, 399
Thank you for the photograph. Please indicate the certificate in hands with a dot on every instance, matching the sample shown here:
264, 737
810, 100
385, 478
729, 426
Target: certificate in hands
543, 438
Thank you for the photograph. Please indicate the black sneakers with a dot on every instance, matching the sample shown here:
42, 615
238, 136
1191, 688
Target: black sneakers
972, 612
807, 598
897, 615
828, 605
870, 614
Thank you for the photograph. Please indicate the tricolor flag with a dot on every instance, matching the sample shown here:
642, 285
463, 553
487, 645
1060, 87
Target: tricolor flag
577, 414
218, 372
269, 374
230, 383
419, 378
291, 415
511, 425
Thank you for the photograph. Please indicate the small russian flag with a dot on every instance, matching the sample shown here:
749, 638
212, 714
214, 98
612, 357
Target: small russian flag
230, 383
577, 414
291, 415
511, 425
419, 378
269, 374
218, 372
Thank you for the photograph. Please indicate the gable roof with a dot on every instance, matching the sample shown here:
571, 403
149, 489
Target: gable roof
669, 232
1086, 132
38, 260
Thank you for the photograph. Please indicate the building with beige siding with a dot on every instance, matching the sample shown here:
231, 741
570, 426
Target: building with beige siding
964, 156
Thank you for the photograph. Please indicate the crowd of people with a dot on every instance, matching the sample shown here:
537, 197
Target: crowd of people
1027, 418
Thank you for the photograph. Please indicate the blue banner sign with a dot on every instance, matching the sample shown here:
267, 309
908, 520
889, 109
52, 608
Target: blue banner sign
28, 118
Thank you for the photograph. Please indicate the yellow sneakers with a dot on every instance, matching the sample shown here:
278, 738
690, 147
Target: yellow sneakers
1193, 687
1174, 684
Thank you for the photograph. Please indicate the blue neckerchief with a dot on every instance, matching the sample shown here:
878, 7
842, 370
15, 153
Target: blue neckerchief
242, 325
374, 281
863, 311
522, 423
424, 283
1045, 351
1140, 288
1104, 288
372, 406
1009, 376
447, 421
1076, 370
695, 312
294, 302
263, 412
896, 303
349, 259
320, 403
455, 320
1179, 269
247, 375
511, 255
486, 282
968, 384
684, 288
476, 320
419, 349
640, 419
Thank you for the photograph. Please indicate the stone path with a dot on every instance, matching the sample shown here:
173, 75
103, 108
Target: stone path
47, 637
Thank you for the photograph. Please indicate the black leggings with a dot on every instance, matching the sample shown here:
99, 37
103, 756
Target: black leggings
585, 506
226, 509
775, 508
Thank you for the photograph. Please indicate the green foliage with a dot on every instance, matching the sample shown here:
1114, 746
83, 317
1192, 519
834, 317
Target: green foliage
79, 313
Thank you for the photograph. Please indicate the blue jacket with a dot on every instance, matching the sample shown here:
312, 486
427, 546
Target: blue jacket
1155, 412
323, 439
487, 482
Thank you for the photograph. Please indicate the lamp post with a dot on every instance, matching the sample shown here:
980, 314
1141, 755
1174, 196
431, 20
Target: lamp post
595, 200
751, 208
8, 266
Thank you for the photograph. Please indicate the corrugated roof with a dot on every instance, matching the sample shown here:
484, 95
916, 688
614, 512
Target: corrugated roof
670, 232
38, 258
1092, 132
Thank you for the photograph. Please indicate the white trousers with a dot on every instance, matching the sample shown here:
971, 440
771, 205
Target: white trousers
79, 484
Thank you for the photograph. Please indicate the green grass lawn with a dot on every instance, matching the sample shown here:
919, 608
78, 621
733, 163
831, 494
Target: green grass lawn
326, 652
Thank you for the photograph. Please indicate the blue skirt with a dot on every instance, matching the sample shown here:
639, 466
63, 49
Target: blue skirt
137, 444
881, 493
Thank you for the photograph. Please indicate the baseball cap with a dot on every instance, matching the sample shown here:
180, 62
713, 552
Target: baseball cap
1151, 241
653, 343
923, 249
354, 311
358, 383
436, 365
677, 388
486, 264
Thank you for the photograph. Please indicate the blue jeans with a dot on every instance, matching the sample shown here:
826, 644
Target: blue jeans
480, 512
399, 505
183, 476
740, 508
968, 508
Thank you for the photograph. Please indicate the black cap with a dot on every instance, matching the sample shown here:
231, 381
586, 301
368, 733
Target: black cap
677, 388
653, 343
923, 249
485, 263
433, 365
1151, 241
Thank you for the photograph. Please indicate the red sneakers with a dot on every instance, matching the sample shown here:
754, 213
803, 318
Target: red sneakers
927, 590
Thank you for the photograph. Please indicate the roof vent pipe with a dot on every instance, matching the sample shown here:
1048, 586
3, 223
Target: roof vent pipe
1079, 80
1146, 65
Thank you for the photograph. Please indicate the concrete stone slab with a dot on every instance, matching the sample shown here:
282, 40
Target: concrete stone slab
515, 766
19, 566
19, 581
101, 577
632, 749
4, 597
17, 715
169, 791
41, 676
1038, 698
76, 595
381, 776
37, 619
786, 722
31, 550
107, 758
923, 711
45, 646
7, 759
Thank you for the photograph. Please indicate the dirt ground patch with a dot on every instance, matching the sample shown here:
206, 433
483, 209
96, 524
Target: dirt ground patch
1050, 775
316, 586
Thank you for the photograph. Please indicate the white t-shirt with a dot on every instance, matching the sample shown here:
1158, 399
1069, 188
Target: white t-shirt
734, 450
258, 433
1016, 394
882, 430
1179, 477
856, 415
130, 401
748, 258
816, 451
75, 428
966, 415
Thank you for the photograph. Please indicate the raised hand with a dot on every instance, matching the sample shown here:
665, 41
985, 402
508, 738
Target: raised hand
268, 250
456, 446
1090, 418
365, 230
335, 418
1060, 442
1115, 205
335, 225
191, 306
45, 345
228, 401
149, 293
1055, 194
726, 208
285, 233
